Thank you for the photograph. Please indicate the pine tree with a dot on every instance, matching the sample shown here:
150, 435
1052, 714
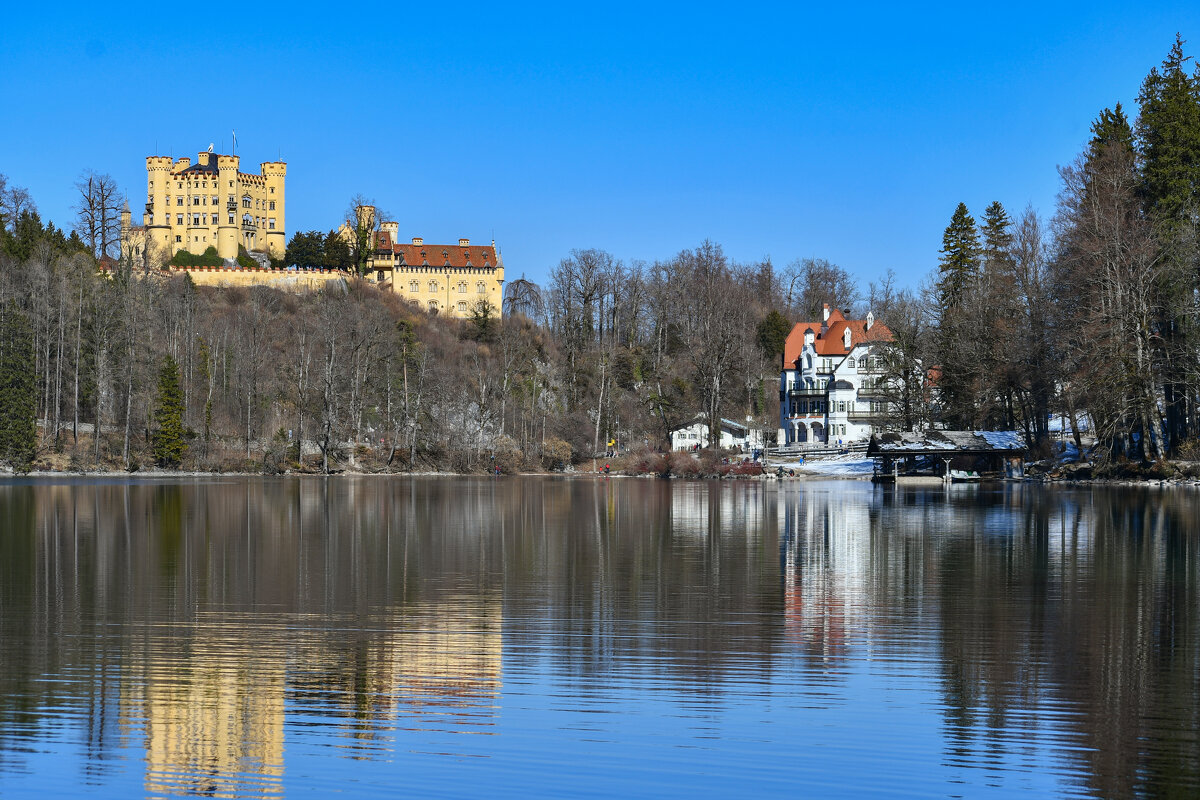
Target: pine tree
169, 442
18, 393
959, 257
772, 334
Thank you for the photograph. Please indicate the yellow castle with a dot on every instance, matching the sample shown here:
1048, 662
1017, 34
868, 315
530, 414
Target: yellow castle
211, 203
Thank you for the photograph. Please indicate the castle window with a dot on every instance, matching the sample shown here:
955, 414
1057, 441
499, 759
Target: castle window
479, 287
214, 200
462, 307
178, 238
179, 219
462, 287
272, 190
414, 286
433, 306
272, 208
231, 222
433, 287
179, 200
245, 201
271, 224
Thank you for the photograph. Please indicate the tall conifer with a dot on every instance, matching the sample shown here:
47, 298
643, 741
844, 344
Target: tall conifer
169, 442
1168, 138
959, 256
18, 393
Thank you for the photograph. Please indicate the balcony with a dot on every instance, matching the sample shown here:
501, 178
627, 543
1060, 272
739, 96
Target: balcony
803, 394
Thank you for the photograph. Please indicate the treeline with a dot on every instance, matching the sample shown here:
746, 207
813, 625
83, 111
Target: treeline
1095, 315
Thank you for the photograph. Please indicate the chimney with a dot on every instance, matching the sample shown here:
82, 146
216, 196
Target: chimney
202, 158
418, 240
825, 311
870, 319
464, 242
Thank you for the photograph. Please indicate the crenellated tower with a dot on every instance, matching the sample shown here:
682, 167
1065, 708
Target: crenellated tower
273, 173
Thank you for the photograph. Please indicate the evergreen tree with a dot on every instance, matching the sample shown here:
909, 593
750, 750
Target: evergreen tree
168, 416
771, 335
997, 235
18, 393
959, 261
1111, 127
1168, 138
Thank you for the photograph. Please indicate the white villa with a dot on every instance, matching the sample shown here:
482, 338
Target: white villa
733, 434
828, 386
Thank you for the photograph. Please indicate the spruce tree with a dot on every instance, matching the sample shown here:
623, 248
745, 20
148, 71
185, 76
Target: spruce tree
959, 259
169, 442
1111, 127
997, 234
18, 391
1168, 138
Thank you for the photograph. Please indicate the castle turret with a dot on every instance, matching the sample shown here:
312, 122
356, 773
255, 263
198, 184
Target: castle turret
157, 218
274, 173
227, 227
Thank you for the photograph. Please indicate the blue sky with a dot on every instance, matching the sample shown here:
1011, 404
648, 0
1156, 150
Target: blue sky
842, 131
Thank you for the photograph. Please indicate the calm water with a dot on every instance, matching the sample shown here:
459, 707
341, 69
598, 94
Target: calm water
576, 637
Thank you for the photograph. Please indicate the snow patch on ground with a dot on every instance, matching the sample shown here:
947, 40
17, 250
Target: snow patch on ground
854, 464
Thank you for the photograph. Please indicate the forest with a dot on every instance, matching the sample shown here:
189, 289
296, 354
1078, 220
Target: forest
1091, 315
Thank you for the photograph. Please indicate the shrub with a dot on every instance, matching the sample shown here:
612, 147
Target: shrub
556, 454
208, 258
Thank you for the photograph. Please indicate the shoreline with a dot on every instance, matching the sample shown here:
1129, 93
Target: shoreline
807, 476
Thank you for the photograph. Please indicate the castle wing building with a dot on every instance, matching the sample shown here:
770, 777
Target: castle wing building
450, 279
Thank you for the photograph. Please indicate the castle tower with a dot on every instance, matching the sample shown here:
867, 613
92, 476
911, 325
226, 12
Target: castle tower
227, 228
273, 173
157, 218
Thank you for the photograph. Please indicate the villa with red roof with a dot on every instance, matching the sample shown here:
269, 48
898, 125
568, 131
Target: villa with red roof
829, 384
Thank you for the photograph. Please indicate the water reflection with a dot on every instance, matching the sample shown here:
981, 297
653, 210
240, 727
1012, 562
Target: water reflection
244, 638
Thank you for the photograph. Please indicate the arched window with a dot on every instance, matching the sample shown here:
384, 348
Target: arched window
850, 363
433, 306
433, 287
462, 308
480, 287
462, 287
414, 287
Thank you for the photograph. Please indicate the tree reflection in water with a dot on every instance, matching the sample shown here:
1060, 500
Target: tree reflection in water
219, 627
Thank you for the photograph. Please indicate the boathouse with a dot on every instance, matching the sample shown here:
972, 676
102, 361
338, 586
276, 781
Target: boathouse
990, 453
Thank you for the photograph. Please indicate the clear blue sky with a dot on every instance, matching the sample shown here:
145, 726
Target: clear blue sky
844, 131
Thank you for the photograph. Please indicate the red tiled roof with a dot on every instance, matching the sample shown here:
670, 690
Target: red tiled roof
438, 255
832, 343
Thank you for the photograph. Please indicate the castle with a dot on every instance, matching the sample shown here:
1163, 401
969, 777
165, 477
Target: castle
211, 203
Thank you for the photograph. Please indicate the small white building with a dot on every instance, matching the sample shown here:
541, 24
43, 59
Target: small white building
829, 388
733, 435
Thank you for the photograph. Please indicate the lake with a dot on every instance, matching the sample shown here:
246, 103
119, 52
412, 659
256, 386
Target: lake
517, 637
